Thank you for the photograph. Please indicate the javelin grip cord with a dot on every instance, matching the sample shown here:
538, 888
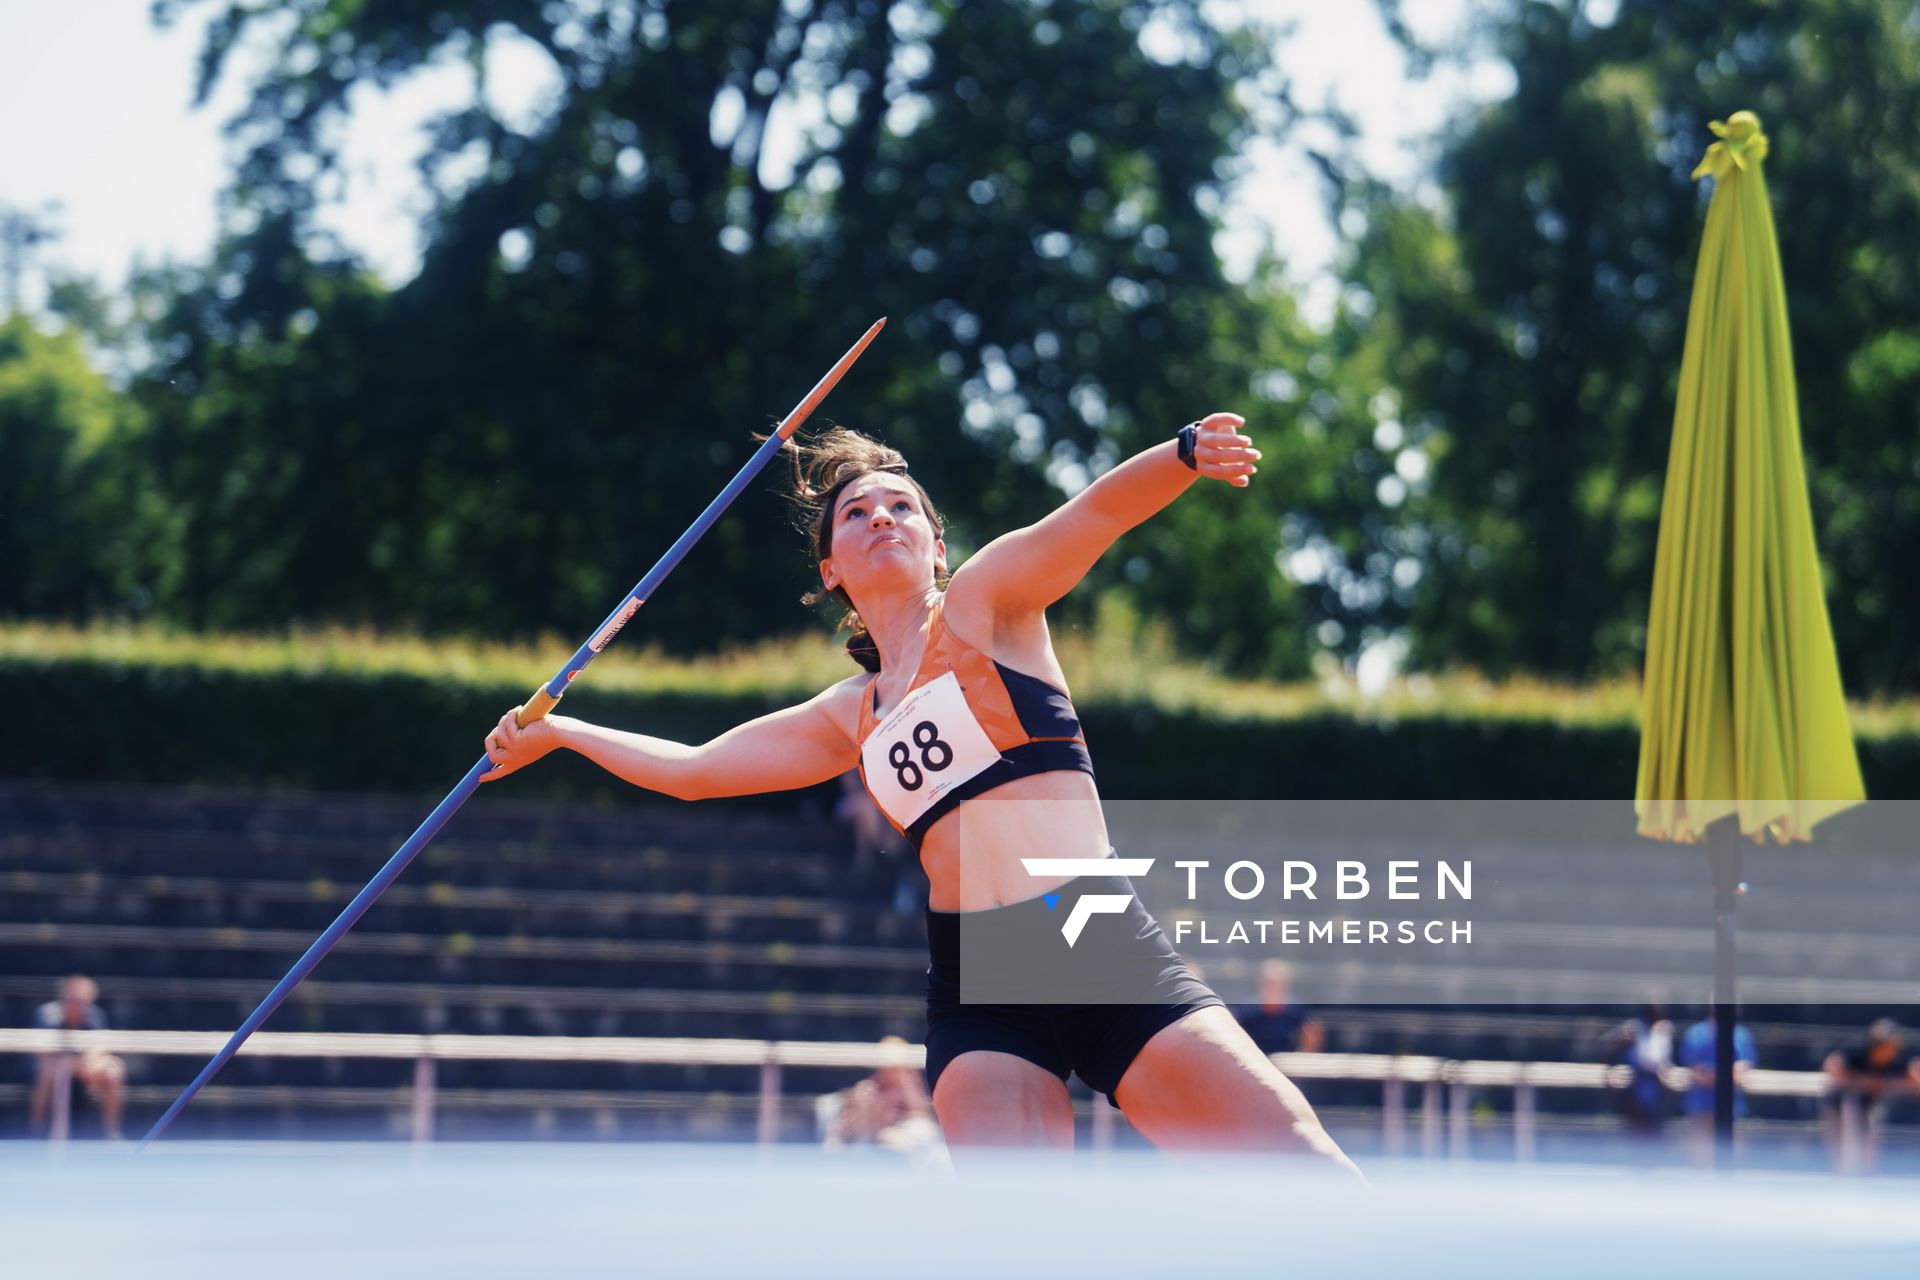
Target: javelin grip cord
543, 701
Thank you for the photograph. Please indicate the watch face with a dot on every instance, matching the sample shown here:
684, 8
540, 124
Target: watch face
1187, 436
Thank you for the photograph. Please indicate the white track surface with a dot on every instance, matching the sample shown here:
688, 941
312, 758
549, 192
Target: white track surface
534, 1210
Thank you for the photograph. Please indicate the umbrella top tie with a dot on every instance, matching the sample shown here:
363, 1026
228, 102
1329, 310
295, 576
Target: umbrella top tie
1741, 143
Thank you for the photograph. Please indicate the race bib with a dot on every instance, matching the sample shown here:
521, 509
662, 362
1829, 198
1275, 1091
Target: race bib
926, 747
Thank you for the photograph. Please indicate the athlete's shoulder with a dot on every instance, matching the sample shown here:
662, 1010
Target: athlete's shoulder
966, 608
1017, 638
840, 702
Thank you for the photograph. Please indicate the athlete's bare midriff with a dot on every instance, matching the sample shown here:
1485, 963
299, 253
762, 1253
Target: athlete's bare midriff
972, 856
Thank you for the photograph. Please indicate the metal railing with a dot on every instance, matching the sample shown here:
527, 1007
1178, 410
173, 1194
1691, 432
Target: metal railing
1446, 1084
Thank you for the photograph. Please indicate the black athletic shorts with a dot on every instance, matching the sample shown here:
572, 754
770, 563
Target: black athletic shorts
1116, 957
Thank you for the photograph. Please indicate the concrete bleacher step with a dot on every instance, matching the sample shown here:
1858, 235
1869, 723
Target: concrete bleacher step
189, 952
321, 1004
46, 810
657, 847
641, 867
443, 907
521, 919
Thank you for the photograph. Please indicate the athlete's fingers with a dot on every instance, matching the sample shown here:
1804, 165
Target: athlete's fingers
1238, 474
501, 760
1221, 452
512, 745
1221, 437
499, 745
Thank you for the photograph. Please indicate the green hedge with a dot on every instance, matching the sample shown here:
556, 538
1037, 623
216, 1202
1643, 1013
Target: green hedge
105, 721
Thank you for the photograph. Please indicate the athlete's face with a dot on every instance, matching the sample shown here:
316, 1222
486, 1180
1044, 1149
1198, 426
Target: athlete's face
881, 537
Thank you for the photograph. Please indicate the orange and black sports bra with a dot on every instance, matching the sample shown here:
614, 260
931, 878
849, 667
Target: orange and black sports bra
966, 725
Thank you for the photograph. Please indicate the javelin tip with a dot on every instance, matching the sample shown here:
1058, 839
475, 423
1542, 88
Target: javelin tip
800, 411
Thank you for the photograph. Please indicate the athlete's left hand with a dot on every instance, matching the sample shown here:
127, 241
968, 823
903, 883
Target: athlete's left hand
1223, 451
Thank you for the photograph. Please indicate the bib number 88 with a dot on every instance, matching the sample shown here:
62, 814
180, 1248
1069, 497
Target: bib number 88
935, 755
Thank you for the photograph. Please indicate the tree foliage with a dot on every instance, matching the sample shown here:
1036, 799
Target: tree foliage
630, 287
1533, 325
81, 529
718, 198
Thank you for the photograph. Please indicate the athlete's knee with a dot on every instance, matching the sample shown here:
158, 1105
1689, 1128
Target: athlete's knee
995, 1124
1310, 1138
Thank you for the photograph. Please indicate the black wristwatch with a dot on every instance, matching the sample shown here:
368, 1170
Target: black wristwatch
1187, 435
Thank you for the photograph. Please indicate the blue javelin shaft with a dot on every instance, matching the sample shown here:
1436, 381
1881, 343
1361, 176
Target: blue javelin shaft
542, 702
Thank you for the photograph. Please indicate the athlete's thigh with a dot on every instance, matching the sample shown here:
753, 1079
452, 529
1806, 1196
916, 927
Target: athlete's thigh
1202, 1084
990, 1099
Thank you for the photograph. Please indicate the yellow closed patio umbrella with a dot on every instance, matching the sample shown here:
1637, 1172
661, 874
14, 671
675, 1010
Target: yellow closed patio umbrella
1742, 712
1743, 719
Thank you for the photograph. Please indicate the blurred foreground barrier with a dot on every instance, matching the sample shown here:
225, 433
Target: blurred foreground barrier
1446, 1084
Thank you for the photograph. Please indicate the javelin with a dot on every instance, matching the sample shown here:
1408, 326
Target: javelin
543, 701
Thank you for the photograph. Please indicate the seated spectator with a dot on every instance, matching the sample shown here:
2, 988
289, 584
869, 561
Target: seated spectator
1644, 1045
1698, 1055
102, 1075
1275, 1023
890, 1108
1870, 1072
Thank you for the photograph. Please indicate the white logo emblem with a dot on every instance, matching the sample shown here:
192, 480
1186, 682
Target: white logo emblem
1087, 905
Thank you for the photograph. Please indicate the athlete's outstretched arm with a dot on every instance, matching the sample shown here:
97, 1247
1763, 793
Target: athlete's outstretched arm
786, 749
1030, 568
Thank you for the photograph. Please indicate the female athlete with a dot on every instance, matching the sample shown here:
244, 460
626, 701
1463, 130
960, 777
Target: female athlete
961, 681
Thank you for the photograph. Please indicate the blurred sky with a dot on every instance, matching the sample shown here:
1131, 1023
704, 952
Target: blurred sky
99, 118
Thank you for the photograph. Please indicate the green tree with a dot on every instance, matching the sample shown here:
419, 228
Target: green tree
1533, 324
627, 290
81, 532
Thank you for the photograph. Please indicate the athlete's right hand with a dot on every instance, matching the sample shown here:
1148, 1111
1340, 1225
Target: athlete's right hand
510, 747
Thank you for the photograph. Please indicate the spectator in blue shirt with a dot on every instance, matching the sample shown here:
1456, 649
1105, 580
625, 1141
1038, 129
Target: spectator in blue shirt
1698, 1057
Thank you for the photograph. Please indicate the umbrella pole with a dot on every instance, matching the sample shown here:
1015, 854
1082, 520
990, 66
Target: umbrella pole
1723, 864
